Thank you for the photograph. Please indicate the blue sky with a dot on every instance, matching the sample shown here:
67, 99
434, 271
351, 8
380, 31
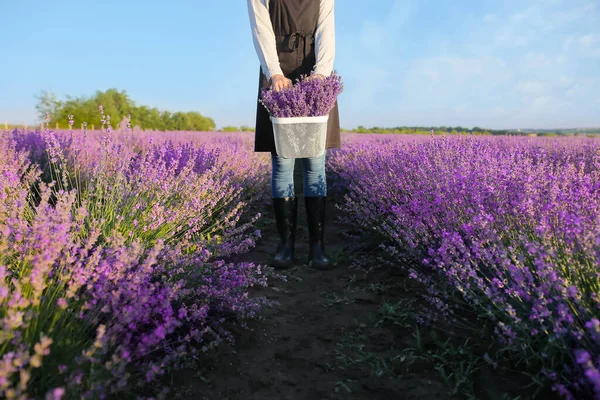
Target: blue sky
489, 63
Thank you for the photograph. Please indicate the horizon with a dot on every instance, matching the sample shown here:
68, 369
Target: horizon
218, 128
502, 65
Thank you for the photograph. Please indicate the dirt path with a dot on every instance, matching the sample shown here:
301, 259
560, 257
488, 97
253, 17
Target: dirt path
298, 350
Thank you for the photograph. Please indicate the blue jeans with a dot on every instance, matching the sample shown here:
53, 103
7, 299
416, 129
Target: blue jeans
282, 179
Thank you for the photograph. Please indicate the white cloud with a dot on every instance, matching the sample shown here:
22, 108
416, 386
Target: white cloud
564, 80
518, 16
441, 82
523, 63
489, 18
590, 45
546, 16
504, 35
513, 36
535, 61
541, 102
583, 88
531, 87
589, 40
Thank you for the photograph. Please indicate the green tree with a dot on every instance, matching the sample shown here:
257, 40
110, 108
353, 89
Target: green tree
201, 123
117, 104
167, 119
47, 103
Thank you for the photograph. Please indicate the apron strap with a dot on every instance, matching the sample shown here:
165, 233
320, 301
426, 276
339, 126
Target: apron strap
292, 42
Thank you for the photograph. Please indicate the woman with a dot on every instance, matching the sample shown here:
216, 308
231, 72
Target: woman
294, 38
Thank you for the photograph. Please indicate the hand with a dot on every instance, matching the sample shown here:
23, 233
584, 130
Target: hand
316, 76
279, 82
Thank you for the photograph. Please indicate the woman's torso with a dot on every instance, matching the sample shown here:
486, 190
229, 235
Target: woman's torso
288, 16
294, 24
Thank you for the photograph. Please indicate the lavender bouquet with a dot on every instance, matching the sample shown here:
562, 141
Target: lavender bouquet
306, 98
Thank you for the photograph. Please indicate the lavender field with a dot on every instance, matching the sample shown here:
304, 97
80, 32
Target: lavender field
508, 228
111, 249
123, 256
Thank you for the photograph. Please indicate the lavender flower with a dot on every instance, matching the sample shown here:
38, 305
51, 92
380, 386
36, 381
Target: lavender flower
511, 224
117, 263
306, 98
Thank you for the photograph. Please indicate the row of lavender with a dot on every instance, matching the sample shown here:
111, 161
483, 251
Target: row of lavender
111, 249
511, 225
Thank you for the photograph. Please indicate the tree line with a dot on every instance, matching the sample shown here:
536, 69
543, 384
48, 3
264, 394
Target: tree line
427, 130
118, 105
438, 130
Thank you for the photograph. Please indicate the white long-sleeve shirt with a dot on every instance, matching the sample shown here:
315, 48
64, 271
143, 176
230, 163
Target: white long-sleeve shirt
265, 45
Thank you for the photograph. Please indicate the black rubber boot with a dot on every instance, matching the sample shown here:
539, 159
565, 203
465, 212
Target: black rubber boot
315, 215
286, 212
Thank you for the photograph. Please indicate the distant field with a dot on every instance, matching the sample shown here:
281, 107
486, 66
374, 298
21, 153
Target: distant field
571, 131
524, 132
